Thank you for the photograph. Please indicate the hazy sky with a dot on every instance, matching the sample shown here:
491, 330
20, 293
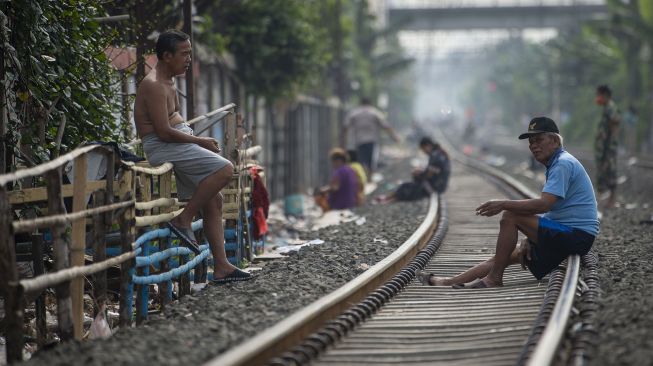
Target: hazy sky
467, 3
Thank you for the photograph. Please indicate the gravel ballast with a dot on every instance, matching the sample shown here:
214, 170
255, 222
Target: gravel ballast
204, 325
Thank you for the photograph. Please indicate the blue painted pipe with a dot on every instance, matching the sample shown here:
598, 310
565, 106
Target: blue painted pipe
162, 233
174, 273
170, 252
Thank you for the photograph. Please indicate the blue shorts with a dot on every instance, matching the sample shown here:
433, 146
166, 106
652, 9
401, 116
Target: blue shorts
555, 242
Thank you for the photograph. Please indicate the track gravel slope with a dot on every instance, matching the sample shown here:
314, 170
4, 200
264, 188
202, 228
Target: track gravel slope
204, 325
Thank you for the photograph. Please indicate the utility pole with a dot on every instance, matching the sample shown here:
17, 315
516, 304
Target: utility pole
340, 67
140, 27
190, 77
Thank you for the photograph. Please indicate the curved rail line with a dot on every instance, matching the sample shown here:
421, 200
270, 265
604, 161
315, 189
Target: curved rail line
430, 325
293, 329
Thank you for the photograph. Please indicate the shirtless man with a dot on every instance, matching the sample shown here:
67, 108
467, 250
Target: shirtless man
199, 169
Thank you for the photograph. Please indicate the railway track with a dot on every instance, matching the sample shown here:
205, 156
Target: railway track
386, 317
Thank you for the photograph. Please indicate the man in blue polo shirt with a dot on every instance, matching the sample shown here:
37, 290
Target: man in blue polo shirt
561, 222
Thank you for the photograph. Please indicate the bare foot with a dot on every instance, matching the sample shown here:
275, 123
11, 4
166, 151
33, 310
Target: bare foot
223, 270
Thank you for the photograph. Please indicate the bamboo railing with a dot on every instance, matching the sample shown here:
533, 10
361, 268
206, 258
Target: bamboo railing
139, 199
68, 249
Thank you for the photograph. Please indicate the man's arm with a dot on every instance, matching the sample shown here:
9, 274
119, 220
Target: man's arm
155, 103
390, 131
531, 206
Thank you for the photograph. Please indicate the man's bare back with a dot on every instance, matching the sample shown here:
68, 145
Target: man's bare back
150, 97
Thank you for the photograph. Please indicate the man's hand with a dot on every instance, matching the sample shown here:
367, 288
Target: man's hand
210, 144
524, 252
490, 208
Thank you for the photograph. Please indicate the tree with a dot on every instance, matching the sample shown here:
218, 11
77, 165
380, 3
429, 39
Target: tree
277, 47
60, 88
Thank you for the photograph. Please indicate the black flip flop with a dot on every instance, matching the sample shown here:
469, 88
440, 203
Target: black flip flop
186, 235
235, 276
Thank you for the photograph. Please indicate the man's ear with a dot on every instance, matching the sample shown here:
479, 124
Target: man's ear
167, 55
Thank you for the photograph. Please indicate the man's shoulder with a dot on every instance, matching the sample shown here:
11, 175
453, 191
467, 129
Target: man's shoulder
569, 162
152, 87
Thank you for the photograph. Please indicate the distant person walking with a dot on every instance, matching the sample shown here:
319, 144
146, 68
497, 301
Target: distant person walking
363, 126
605, 145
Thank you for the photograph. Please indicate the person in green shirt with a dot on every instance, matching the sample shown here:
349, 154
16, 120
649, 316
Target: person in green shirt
605, 145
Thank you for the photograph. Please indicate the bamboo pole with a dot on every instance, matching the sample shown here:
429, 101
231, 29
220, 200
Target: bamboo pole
61, 255
8, 283
46, 167
165, 191
39, 304
190, 73
126, 221
33, 285
78, 244
99, 254
142, 291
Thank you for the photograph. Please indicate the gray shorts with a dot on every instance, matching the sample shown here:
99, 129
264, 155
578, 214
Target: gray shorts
192, 163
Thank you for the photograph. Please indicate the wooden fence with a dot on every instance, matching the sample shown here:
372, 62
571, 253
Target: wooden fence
138, 199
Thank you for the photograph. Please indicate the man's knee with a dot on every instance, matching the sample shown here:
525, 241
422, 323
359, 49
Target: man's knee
508, 218
227, 170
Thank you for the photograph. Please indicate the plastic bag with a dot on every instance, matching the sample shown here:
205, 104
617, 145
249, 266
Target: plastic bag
100, 327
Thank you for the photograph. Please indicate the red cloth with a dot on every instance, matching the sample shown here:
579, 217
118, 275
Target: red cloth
260, 204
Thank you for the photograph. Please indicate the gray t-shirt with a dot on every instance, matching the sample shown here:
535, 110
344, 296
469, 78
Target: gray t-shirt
364, 123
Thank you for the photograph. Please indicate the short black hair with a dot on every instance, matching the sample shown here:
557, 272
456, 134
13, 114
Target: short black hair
427, 141
604, 90
365, 100
168, 41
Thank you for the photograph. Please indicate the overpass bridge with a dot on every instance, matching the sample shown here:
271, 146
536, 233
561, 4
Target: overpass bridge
426, 18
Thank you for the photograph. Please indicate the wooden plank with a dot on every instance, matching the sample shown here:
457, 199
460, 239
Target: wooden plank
61, 255
184, 279
29, 195
230, 151
126, 290
78, 245
9, 281
165, 191
99, 254
142, 291
39, 303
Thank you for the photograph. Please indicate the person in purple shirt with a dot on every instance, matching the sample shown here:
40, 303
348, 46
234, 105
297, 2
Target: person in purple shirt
343, 187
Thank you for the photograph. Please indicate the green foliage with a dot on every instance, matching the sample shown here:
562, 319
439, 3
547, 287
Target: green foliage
56, 67
278, 49
563, 74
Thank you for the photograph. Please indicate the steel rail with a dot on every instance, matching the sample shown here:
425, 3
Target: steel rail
545, 351
290, 331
